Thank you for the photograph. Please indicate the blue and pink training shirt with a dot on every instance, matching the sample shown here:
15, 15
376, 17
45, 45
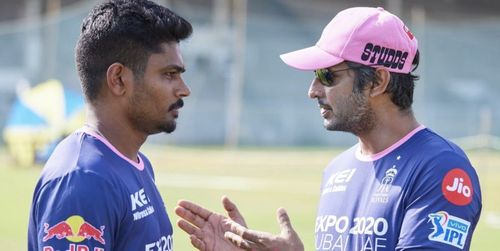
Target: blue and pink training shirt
419, 194
90, 197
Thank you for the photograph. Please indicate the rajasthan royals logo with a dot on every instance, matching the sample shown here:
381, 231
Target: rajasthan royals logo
448, 229
386, 183
382, 193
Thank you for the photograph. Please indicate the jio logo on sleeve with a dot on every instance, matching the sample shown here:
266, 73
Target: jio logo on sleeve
457, 187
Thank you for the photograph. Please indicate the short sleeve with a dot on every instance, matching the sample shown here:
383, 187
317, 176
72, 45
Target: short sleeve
79, 211
443, 206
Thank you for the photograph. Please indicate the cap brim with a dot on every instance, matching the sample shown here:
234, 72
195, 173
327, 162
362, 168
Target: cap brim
309, 59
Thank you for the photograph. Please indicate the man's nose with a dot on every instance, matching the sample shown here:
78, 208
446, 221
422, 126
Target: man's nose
183, 90
315, 89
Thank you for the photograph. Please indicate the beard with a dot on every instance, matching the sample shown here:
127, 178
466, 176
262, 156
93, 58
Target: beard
146, 116
356, 117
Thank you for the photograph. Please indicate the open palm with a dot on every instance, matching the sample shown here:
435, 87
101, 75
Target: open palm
205, 228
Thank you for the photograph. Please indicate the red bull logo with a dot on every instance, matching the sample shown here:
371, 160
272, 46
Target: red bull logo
74, 229
59, 230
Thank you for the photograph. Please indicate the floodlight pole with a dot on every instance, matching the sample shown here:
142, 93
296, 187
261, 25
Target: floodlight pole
221, 15
234, 89
33, 49
51, 39
418, 19
395, 6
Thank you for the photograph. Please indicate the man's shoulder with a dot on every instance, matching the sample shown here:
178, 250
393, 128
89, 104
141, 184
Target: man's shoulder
76, 155
435, 158
345, 156
430, 145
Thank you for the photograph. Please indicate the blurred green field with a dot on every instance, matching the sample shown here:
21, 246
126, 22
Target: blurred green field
259, 180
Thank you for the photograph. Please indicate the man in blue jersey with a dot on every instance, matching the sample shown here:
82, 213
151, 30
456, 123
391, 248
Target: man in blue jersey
402, 187
97, 191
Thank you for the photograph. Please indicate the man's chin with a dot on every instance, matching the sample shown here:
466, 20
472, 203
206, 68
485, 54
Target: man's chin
328, 125
169, 128
164, 128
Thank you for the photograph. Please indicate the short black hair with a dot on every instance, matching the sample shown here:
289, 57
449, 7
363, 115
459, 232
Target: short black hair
126, 32
400, 86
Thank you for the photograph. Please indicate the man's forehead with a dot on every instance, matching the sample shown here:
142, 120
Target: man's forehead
168, 57
169, 46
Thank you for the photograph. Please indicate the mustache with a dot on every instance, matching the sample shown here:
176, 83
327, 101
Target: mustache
176, 105
322, 103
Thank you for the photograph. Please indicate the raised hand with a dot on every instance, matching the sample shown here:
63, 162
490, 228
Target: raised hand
205, 228
248, 239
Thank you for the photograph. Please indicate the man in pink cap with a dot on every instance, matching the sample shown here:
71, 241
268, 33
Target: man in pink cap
402, 187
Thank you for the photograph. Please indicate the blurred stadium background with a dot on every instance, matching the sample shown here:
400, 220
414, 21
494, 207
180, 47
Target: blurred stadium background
244, 96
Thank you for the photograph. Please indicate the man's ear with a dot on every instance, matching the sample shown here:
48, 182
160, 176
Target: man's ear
382, 78
119, 78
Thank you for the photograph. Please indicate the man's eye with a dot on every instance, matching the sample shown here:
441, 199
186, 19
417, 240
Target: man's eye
325, 77
171, 74
329, 79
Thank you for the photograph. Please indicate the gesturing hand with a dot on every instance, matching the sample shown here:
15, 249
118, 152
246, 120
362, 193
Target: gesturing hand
248, 239
205, 228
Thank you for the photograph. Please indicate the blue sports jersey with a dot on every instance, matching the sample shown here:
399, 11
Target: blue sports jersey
92, 198
419, 194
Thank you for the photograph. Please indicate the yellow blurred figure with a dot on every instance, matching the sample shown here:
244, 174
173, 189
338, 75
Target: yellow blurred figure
40, 116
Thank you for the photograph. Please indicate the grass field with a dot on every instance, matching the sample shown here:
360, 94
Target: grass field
259, 180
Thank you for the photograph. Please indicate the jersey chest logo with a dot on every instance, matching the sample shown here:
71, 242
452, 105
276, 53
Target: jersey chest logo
386, 184
338, 181
381, 195
141, 205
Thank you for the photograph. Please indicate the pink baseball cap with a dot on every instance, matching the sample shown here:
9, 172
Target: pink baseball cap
365, 35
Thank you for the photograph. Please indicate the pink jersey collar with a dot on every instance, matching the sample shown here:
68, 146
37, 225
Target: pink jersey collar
89, 131
383, 153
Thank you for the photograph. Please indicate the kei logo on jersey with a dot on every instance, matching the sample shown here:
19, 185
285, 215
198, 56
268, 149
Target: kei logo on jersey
141, 205
338, 181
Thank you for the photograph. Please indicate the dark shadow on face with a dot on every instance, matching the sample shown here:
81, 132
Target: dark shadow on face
146, 116
354, 115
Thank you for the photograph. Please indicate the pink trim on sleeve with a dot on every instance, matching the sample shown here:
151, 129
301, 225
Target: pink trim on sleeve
379, 155
139, 165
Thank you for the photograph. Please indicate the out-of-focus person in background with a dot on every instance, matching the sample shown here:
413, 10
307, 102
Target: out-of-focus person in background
97, 191
402, 187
